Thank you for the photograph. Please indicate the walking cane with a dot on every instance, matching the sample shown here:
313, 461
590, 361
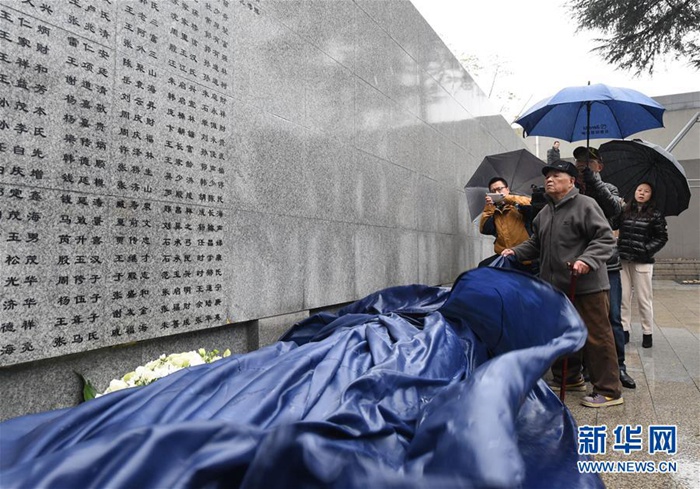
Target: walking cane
565, 363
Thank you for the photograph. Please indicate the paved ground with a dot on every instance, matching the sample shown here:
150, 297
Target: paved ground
668, 390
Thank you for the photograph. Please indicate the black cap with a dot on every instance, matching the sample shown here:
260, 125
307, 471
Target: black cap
561, 165
580, 154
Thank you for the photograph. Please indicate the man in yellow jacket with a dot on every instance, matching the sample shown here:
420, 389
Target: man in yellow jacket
506, 216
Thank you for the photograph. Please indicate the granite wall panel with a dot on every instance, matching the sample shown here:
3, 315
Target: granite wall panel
331, 178
373, 119
402, 144
330, 96
335, 35
267, 255
171, 171
270, 329
329, 274
379, 12
375, 55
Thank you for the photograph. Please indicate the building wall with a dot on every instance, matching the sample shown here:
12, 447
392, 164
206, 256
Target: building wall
347, 134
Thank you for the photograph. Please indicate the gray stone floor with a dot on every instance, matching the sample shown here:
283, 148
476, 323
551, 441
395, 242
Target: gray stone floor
668, 390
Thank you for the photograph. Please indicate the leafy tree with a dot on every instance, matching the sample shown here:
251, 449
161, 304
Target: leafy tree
638, 32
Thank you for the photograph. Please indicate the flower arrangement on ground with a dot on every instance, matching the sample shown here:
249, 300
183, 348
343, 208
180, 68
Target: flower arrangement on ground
156, 369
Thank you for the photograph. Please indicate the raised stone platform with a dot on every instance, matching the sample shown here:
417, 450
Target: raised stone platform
681, 269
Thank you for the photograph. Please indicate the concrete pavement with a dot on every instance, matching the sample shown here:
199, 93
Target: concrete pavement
667, 393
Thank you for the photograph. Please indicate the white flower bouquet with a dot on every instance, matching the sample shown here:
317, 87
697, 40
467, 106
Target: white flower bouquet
154, 370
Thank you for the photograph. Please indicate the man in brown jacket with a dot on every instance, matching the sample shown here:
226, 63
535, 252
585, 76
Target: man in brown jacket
506, 219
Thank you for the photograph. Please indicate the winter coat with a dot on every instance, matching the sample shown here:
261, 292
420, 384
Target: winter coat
571, 229
553, 154
507, 222
607, 197
605, 194
642, 234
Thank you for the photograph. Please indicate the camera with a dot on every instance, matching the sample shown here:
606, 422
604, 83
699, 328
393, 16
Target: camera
537, 198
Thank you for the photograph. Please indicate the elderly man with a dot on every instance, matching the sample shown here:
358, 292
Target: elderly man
606, 195
571, 235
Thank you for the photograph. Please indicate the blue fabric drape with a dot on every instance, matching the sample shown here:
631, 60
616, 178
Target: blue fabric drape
411, 386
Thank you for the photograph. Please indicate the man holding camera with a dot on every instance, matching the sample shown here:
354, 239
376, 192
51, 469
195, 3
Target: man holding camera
506, 218
589, 165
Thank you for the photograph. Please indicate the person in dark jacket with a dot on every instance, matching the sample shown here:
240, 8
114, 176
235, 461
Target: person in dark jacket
571, 235
606, 195
553, 153
642, 234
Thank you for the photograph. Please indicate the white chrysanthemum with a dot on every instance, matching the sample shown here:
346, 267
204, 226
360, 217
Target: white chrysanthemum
195, 358
162, 366
146, 376
129, 378
186, 359
116, 385
153, 364
164, 370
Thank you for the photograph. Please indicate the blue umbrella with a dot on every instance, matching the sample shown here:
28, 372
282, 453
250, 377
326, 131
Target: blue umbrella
592, 112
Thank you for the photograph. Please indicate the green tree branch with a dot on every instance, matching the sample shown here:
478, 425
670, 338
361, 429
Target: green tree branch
639, 32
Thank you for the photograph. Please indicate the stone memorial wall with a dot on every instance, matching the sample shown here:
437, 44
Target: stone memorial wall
114, 136
181, 173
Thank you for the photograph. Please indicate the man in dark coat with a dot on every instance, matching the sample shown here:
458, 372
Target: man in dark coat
589, 165
553, 153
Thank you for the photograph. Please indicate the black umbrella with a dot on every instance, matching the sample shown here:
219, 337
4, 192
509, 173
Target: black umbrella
520, 168
626, 164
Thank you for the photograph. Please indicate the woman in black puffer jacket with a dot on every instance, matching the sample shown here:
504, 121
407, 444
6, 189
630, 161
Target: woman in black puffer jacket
642, 234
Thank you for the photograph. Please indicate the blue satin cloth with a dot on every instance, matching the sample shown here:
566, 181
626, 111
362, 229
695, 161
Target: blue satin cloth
412, 386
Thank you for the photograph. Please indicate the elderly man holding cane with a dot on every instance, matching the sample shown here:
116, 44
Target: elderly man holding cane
572, 235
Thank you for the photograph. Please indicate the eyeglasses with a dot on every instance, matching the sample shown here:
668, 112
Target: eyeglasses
498, 189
